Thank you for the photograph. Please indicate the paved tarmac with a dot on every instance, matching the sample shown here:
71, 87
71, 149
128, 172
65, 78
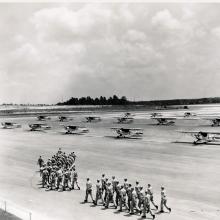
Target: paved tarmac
190, 174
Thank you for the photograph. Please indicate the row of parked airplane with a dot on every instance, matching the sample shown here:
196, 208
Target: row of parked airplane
200, 136
129, 118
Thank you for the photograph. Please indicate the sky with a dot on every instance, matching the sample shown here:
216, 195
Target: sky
51, 52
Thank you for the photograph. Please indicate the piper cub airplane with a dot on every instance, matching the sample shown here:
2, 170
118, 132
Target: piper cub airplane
93, 119
39, 127
125, 119
43, 118
64, 118
72, 129
203, 137
165, 120
132, 133
10, 125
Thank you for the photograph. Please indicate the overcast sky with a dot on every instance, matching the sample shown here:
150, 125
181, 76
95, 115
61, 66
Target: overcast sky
143, 51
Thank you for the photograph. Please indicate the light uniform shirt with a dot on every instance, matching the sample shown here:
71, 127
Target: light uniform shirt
150, 190
134, 195
147, 199
163, 194
126, 185
98, 186
88, 185
123, 192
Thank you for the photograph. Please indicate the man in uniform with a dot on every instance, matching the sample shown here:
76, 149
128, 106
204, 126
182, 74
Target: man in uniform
88, 191
109, 194
74, 178
45, 177
114, 181
134, 201
122, 198
52, 180
40, 162
141, 197
59, 178
98, 192
117, 192
129, 197
137, 189
150, 192
164, 200
126, 184
146, 207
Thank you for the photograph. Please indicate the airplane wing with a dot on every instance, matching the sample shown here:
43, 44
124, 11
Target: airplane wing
211, 118
133, 129
197, 132
167, 118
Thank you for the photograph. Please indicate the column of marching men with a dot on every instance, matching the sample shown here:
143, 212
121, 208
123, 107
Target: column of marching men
59, 172
134, 199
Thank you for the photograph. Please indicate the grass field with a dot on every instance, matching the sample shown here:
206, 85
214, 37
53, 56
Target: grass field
191, 174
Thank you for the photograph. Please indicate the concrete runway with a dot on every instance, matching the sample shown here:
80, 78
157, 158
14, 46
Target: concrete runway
190, 174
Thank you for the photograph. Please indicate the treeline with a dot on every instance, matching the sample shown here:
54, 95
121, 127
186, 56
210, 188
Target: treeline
213, 100
114, 100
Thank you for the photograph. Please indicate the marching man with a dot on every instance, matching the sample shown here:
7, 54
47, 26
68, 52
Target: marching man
88, 191
163, 200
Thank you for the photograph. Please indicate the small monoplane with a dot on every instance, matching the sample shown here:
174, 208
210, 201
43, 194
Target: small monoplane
10, 125
203, 137
64, 118
93, 119
165, 120
43, 118
72, 129
126, 118
132, 133
39, 127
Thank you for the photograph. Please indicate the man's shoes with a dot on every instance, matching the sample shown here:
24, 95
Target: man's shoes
169, 209
153, 216
143, 216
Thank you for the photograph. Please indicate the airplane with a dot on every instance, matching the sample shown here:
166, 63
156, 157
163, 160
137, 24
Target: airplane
125, 119
39, 127
43, 118
93, 119
64, 118
128, 132
165, 120
10, 125
189, 114
203, 137
72, 129
155, 114
215, 121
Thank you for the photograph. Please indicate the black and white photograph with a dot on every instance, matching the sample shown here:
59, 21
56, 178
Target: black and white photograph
109, 110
